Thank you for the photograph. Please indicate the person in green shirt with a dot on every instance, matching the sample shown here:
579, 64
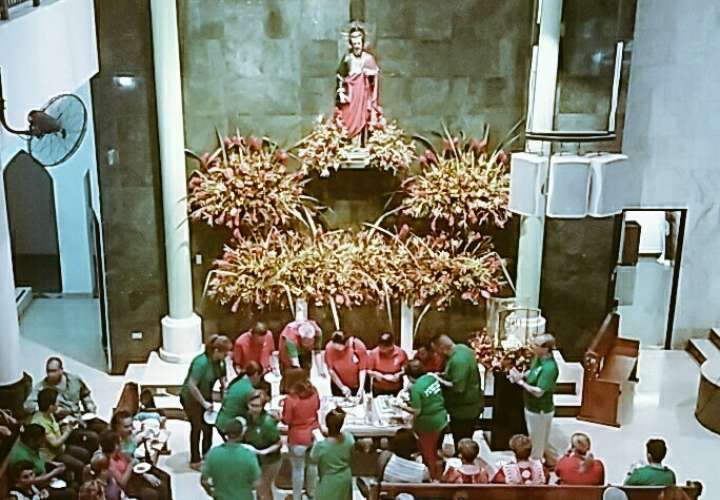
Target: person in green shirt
27, 449
654, 473
333, 455
539, 384
231, 471
56, 435
263, 438
235, 399
196, 393
464, 398
428, 406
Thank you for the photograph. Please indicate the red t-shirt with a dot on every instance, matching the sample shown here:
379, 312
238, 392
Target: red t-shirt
568, 470
290, 334
301, 417
348, 362
461, 476
388, 365
248, 349
435, 363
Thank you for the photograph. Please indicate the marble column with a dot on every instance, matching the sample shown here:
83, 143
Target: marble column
541, 110
181, 328
10, 370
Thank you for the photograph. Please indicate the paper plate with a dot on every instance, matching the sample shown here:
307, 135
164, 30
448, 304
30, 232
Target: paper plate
210, 416
57, 484
142, 468
88, 416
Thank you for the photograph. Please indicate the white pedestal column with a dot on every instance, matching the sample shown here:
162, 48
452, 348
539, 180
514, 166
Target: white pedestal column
10, 369
541, 109
407, 326
181, 328
301, 310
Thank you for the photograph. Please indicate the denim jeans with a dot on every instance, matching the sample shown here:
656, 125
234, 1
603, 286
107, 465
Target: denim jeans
303, 470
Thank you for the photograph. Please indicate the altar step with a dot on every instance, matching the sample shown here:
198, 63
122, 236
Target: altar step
704, 349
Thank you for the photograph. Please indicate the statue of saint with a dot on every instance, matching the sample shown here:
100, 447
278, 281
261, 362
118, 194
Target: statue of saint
357, 103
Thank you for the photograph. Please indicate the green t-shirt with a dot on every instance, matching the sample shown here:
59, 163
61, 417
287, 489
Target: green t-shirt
426, 395
333, 460
651, 475
263, 433
543, 374
233, 469
206, 373
234, 402
21, 452
465, 399
293, 350
52, 429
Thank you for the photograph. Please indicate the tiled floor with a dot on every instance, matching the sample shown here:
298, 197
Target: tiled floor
663, 405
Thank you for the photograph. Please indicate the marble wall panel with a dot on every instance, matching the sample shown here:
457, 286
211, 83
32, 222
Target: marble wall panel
671, 137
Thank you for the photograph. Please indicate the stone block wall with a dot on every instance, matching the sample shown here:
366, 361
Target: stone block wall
268, 67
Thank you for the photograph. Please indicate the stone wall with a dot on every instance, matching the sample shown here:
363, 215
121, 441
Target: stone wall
268, 67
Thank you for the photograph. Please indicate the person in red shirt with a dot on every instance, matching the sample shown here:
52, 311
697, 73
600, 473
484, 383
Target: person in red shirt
346, 360
385, 365
297, 342
578, 467
431, 358
254, 345
300, 414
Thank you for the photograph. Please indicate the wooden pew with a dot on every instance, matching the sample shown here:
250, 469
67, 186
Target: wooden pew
504, 492
610, 362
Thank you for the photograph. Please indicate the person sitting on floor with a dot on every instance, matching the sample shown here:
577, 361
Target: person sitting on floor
398, 465
27, 449
57, 435
654, 473
22, 477
92, 490
522, 470
99, 470
469, 472
74, 399
122, 423
144, 486
578, 466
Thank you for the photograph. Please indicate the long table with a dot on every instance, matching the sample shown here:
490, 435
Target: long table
383, 419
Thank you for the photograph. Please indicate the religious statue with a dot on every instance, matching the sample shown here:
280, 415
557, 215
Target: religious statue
357, 103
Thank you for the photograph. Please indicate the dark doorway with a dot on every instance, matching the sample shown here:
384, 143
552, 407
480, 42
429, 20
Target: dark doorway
33, 225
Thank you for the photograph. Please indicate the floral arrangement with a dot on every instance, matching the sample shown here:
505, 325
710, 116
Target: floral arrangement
463, 186
348, 269
498, 358
244, 184
328, 147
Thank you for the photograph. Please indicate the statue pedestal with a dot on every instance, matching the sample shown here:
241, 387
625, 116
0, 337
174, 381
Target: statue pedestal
508, 417
357, 158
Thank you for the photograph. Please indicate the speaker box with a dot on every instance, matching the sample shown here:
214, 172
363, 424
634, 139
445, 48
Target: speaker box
527, 174
568, 186
610, 184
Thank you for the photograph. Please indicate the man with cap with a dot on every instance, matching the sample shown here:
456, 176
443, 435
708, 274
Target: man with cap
231, 471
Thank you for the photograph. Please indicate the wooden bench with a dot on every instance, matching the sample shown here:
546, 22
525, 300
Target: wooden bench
610, 362
504, 492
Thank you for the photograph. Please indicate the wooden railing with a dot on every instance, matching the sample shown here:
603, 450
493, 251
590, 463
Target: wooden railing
6, 5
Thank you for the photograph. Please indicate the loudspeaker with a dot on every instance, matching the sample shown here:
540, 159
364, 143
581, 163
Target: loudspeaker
568, 187
610, 184
527, 174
